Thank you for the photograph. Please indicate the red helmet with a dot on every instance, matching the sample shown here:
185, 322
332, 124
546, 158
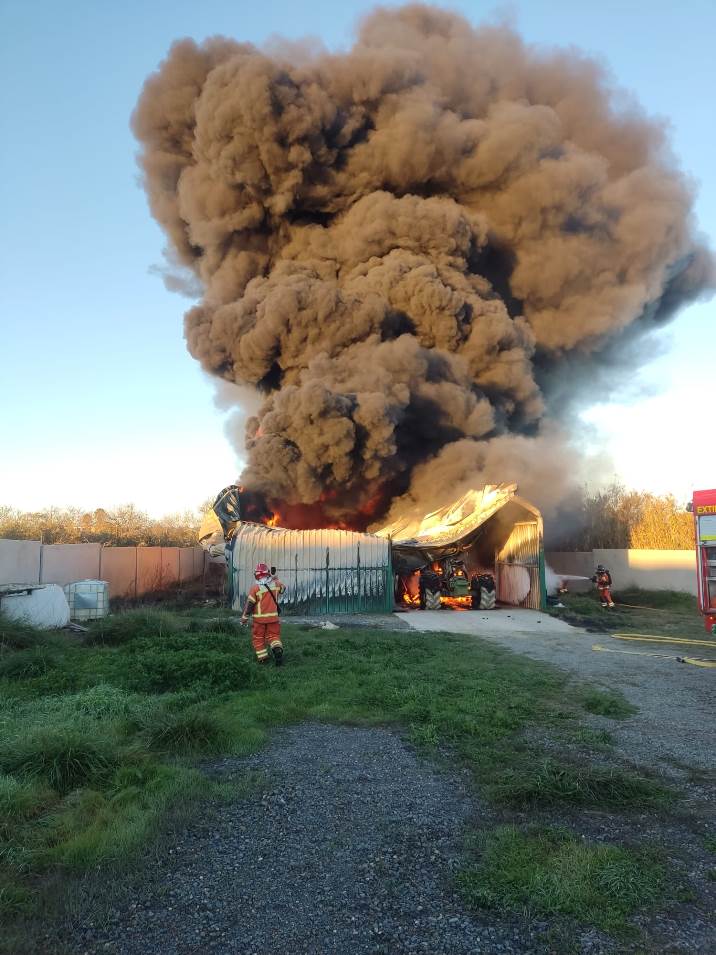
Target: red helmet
262, 570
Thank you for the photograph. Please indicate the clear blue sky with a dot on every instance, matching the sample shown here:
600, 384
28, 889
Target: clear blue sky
101, 404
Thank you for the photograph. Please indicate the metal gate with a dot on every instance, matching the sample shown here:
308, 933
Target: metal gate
325, 571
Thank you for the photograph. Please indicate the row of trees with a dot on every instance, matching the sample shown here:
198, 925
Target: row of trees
615, 517
612, 517
125, 525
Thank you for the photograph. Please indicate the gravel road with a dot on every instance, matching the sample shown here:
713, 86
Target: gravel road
674, 728
349, 849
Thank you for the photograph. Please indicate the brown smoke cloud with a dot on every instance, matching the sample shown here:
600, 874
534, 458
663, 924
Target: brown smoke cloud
419, 252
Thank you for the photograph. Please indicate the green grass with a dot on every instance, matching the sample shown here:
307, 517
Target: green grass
103, 732
548, 872
655, 612
599, 739
604, 703
554, 784
187, 732
63, 757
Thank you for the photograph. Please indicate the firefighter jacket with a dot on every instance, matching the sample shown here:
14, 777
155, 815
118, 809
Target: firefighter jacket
603, 580
263, 597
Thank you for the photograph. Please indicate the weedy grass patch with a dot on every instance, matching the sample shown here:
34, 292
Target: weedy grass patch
148, 624
597, 739
192, 731
547, 872
550, 783
62, 756
104, 734
661, 612
603, 703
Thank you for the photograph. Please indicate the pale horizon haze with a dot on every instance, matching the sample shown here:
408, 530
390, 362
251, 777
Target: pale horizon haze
101, 402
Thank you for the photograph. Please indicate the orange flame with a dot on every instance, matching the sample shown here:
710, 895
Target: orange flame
411, 600
457, 603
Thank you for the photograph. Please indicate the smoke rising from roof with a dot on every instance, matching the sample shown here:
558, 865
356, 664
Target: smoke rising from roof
419, 252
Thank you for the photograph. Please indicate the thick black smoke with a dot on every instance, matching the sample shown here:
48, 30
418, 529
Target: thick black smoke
418, 251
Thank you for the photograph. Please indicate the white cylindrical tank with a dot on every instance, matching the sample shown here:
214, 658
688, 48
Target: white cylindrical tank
88, 599
39, 605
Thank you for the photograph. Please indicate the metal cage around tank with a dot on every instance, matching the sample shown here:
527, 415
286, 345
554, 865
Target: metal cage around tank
325, 571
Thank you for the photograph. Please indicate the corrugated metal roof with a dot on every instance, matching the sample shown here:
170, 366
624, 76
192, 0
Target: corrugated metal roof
451, 523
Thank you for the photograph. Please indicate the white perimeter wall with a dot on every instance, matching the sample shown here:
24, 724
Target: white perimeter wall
20, 562
63, 563
130, 571
650, 569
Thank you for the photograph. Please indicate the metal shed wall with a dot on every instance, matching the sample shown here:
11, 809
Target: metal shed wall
523, 548
325, 571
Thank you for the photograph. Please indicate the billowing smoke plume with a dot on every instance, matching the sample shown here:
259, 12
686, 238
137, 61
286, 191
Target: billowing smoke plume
418, 251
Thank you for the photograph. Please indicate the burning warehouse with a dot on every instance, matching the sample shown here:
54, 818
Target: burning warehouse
489, 539
488, 535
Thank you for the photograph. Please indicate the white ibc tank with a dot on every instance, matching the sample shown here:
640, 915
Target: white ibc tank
88, 599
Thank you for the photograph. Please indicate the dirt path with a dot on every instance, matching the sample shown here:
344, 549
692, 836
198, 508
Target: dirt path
348, 849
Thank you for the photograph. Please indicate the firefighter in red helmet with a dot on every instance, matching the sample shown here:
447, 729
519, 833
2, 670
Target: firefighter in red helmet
262, 605
603, 579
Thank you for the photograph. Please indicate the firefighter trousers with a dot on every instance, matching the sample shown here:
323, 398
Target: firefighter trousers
606, 597
265, 637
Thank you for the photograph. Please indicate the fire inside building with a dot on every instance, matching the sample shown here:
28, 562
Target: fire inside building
483, 549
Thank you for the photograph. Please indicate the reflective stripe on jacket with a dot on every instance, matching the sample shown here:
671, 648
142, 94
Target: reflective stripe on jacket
265, 600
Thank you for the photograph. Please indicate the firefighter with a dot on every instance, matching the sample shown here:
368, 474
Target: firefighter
603, 579
262, 605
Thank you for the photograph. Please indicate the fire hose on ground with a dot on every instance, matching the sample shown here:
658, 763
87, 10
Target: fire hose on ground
649, 638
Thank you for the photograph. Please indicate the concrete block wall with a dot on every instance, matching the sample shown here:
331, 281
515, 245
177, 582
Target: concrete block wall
20, 562
648, 569
651, 569
63, 563
119, 569
130, 571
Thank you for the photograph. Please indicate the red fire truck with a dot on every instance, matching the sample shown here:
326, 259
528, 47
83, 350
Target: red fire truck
704, 507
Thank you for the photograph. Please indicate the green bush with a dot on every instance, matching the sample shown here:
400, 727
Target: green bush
550, 872
64, 757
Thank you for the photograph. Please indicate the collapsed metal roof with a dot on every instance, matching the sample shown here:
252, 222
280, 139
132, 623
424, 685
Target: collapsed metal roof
453, 523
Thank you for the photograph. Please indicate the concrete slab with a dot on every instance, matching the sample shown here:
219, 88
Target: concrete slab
487, 623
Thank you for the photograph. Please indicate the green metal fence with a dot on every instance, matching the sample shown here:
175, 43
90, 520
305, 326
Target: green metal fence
324, 571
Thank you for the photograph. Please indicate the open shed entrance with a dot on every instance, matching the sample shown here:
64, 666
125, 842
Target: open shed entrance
490, 531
